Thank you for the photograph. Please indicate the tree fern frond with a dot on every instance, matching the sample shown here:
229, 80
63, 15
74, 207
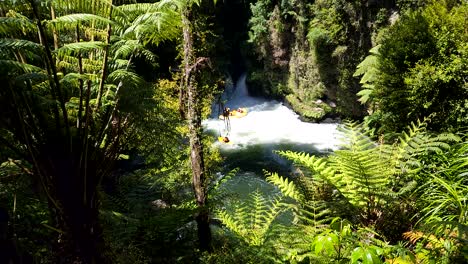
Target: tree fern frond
124, 48
132, 11
172, 4
128, 78
224, 179
80, 47
11, 65
369, 71
287, 187
15, 24
315, 164
81, 18
74, 77
417, 141
20, 44
71, 62
98, 7
252, 219
118, 64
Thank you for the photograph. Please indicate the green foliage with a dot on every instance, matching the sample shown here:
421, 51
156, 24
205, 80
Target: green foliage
259, 22
287, 187
370, 177
443, 216
73, 103
368, 68
420, 65
252, 220
340, 243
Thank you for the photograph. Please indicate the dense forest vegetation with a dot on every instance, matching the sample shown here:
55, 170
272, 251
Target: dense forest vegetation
104, 159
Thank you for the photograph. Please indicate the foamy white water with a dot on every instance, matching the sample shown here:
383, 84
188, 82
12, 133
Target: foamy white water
269, 122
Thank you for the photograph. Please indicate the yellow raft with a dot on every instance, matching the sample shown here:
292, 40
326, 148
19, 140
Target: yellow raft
236, 113
221, 139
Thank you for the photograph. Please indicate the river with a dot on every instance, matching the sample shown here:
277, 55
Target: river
268, 126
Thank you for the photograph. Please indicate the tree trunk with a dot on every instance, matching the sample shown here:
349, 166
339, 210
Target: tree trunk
73, 188
195, 133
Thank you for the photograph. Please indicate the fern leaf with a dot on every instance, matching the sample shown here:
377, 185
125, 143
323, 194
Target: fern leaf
9, 65
80, 47
81, 18
287, 187
129, 78
20, 44
16, 24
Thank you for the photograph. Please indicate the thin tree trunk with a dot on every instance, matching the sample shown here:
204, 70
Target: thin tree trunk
195, 133
104, 65
54, 30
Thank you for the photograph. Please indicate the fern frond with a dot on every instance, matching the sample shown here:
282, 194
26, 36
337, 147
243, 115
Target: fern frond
16, 24
74, 77
369, 71
71, 62
127, 77
98, 7
124, 48
417, 141
365, 94
253, 219
287, 187
11, 65
80, 47
318, 166
20, 44
431, 240
81, 18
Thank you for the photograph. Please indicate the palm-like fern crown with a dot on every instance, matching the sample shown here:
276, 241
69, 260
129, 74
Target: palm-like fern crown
93, 45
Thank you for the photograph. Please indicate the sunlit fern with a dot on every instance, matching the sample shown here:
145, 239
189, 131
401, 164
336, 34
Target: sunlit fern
364, 172
444, 198
252, 220
286, 186
368, 69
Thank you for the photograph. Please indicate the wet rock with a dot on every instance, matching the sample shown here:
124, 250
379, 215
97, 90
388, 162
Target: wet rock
328, 120
159, 204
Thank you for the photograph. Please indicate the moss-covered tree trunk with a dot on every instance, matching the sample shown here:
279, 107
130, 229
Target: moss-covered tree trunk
195, 131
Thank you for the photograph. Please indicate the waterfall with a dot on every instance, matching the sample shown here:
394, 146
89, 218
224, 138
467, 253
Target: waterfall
269, 123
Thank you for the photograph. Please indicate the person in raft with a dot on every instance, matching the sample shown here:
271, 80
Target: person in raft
226, 112
240, 110
225, 139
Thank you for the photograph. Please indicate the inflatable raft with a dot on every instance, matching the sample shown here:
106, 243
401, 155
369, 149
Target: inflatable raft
221, 139
238, 113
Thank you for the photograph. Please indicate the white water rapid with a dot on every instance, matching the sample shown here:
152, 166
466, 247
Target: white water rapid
268, 123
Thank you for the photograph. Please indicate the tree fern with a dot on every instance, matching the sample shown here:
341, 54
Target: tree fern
359, 171
16, 24
80, 47
287, 187
81, 18
19, 45
19, 67
55, 120
368, 69
252, 219
416, 142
